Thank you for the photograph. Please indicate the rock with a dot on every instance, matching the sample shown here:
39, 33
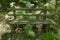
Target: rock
4, 28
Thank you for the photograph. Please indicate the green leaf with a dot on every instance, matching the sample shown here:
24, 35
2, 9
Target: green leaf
31, 33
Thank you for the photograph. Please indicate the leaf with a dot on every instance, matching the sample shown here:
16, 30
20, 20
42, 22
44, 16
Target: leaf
31, 33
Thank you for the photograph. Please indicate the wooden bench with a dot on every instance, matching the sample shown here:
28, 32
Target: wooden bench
27, 21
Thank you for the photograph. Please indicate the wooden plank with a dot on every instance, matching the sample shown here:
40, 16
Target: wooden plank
31, 14
47, 15
30, 9
31, 22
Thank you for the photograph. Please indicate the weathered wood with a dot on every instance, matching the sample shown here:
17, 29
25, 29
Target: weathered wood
30, 9
37, 21
34, 15
31, 22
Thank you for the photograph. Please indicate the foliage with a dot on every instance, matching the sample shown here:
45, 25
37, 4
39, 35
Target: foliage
1, 15
49, 36
28, 32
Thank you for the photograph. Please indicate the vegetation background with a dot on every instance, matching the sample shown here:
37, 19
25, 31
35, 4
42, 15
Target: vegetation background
29, 19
